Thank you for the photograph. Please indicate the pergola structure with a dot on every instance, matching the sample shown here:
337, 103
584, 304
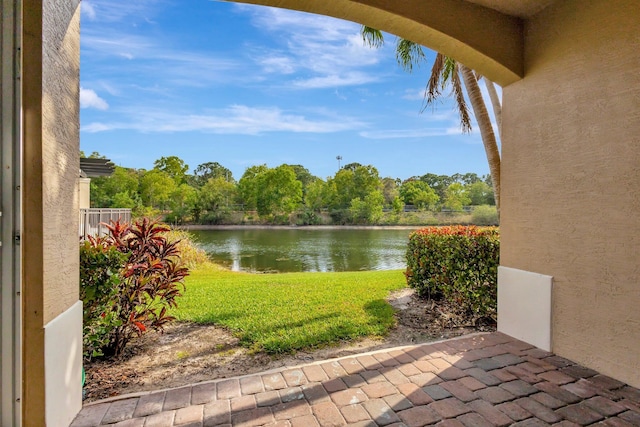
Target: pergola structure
93, 168
569, 279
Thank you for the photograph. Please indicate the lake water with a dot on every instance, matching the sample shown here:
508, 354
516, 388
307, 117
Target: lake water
304, 249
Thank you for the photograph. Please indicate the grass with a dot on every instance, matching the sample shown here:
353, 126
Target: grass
282, 313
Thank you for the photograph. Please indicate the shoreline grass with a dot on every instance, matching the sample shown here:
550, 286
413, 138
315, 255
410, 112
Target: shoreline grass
283, 313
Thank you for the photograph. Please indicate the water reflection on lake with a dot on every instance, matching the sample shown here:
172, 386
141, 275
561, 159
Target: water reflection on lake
303, 249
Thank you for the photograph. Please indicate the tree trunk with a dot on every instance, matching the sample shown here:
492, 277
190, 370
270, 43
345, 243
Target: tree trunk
495, 103
486, 129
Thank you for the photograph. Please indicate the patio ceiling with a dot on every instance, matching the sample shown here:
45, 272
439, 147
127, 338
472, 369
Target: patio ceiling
519, 8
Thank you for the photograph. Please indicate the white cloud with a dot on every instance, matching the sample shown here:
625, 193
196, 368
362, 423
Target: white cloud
475, 132
277, 19
340, 96
113, 43
88, 10
277, 64
236, 119
96, 127
435, 123
413, 94
421, 133
329, 51
158, 59
90, 99
330, 81
109, 88
116, 11
406, 133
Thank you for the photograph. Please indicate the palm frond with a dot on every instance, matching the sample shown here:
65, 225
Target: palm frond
372, 37
448, 69
461, 103
432, 92
408, 54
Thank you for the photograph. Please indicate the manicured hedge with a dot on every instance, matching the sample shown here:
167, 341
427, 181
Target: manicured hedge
458, 264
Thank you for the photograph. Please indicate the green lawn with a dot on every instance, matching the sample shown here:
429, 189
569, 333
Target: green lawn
280, 313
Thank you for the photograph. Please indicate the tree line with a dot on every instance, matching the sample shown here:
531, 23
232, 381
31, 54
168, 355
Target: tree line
356, 194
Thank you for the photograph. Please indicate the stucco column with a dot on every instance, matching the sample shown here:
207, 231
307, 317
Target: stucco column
52, 314
571, 174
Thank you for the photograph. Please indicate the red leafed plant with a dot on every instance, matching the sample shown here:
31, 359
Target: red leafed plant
148, 281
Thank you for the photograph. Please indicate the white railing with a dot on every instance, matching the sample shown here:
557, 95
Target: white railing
92, 221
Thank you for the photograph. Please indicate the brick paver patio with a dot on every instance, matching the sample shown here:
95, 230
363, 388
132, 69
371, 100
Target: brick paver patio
479, 380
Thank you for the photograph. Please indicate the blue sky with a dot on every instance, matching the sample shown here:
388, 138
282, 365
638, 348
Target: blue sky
242, 85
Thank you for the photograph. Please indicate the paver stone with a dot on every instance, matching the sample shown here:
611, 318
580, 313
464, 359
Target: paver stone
419, 416
380, 412
449, 408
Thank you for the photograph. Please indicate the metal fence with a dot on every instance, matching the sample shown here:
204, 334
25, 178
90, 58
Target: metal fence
92, 221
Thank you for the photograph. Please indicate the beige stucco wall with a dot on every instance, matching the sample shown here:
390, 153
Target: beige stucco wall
50, 88
61, 137
571, 177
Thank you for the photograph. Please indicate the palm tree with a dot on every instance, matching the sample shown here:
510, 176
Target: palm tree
486, 129
446, 70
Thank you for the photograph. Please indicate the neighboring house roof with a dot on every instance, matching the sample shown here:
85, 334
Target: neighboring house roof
91, 168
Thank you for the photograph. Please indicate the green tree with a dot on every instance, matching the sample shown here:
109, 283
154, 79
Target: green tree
217, 194
183, 200
390, 190
351, 166
439, 183
419, 194
104, 189
480, 193
367, 210
303, 175
206, 171
398, 205
98, 193
352, 182
173, 166
470, 178
124, 200
216, 198
456, 197
156, 187
248, 186
315, 197
280, 193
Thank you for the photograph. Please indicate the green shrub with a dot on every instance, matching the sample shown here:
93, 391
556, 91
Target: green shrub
178, 216
457, 264
340, 216
308, 217
100, 280
128, 279
485, 215
216, 217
